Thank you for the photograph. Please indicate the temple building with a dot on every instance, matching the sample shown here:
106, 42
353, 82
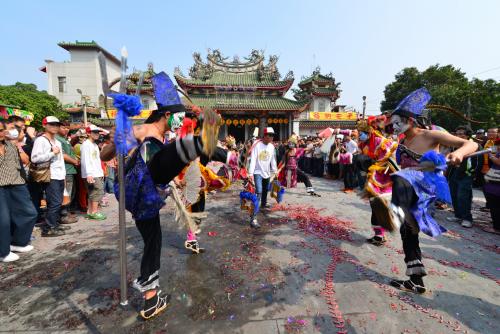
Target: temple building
321, 92
248, 93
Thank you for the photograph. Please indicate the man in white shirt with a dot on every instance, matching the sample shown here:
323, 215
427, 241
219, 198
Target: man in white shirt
350, 145
262, 168
92, 172
47, 149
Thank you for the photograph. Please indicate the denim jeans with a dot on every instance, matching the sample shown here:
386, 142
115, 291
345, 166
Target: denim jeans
261, 187
461, 196
17, 217
109, 181
54, 191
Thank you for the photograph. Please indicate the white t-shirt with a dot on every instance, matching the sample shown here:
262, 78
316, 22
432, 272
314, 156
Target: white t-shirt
263, 160
351, 146
90, 160
42, 152
309, 151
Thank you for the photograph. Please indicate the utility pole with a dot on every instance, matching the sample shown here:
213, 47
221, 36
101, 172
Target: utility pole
364, 106
469, 107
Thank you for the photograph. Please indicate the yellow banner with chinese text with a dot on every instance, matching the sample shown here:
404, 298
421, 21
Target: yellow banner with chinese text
111, 113
332, 116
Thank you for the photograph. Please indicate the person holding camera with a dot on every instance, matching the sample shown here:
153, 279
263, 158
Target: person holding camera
92, 172
47, 172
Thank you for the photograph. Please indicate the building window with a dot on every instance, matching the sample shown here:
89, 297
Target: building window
62, 84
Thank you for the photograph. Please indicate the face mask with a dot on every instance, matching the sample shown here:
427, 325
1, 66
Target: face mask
13, 133
398, 125
175, 120
363, 136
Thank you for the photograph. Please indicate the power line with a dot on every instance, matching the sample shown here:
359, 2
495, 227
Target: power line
489, 70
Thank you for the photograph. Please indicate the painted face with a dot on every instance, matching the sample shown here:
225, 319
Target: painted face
175, 120
399, 125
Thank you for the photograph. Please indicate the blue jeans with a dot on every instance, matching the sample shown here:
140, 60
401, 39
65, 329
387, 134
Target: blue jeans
461, 196
17, 217
109, 181
54, 191
261, 187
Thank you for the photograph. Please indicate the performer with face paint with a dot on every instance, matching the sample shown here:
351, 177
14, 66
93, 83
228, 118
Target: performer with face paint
149, 169
377, 160
421, 180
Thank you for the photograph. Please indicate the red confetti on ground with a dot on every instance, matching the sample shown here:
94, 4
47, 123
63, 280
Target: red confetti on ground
326, 228
212, 234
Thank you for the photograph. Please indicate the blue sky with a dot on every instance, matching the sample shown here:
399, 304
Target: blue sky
363, 43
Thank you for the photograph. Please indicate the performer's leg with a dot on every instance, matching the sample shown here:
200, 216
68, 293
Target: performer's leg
379, 232
403, 198
265, 188
148, 281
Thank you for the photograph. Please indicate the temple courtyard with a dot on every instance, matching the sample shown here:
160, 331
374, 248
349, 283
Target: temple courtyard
307, 270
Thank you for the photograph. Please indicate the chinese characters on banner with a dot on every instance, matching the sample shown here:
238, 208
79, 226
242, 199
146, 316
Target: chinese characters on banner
333, 116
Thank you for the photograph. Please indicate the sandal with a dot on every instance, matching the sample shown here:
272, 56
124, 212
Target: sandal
377, 240
152, 310
193, 246
408, 286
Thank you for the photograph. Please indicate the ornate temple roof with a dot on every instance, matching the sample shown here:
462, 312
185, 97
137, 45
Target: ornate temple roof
218, 71
317, 85
238, 85
228, 102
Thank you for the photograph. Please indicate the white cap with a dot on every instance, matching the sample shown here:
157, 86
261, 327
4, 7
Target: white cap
92, 128
268, 131
50, 119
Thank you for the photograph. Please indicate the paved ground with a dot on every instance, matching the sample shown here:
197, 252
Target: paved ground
305, 271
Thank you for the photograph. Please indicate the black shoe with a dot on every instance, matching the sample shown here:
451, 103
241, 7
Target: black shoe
408, 286
254, 223
377, 240
155, 305
53, 232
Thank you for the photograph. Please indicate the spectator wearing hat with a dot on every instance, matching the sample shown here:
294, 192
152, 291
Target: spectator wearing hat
92, 172
262, 168
17, 213
71, 163
47, 149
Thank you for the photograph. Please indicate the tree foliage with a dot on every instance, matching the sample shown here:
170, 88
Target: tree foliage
450, 87
28, 97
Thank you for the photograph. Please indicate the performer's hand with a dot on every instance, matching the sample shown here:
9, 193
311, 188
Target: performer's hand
90, 180
250, 178
454, 158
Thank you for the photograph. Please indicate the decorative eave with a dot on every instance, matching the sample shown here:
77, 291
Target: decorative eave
187, 84
90, 110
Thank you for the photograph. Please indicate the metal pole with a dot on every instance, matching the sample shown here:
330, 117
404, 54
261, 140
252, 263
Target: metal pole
469, 106
84, 111
364, 106
121, 202
122, 232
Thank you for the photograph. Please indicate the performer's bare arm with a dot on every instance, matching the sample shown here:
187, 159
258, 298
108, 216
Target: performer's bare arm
464, 147
109, 151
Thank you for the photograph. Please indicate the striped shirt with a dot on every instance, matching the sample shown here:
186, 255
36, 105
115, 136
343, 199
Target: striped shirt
10, 166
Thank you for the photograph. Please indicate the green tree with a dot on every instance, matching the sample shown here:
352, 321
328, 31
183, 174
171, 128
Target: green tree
450, 87
29, 98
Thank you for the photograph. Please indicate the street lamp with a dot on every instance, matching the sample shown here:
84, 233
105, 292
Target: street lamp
84, 98
364, 106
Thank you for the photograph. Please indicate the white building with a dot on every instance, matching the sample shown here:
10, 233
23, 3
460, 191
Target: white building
82, 72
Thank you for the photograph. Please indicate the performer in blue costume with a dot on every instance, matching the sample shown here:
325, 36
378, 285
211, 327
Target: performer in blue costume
421, 180
148, 171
